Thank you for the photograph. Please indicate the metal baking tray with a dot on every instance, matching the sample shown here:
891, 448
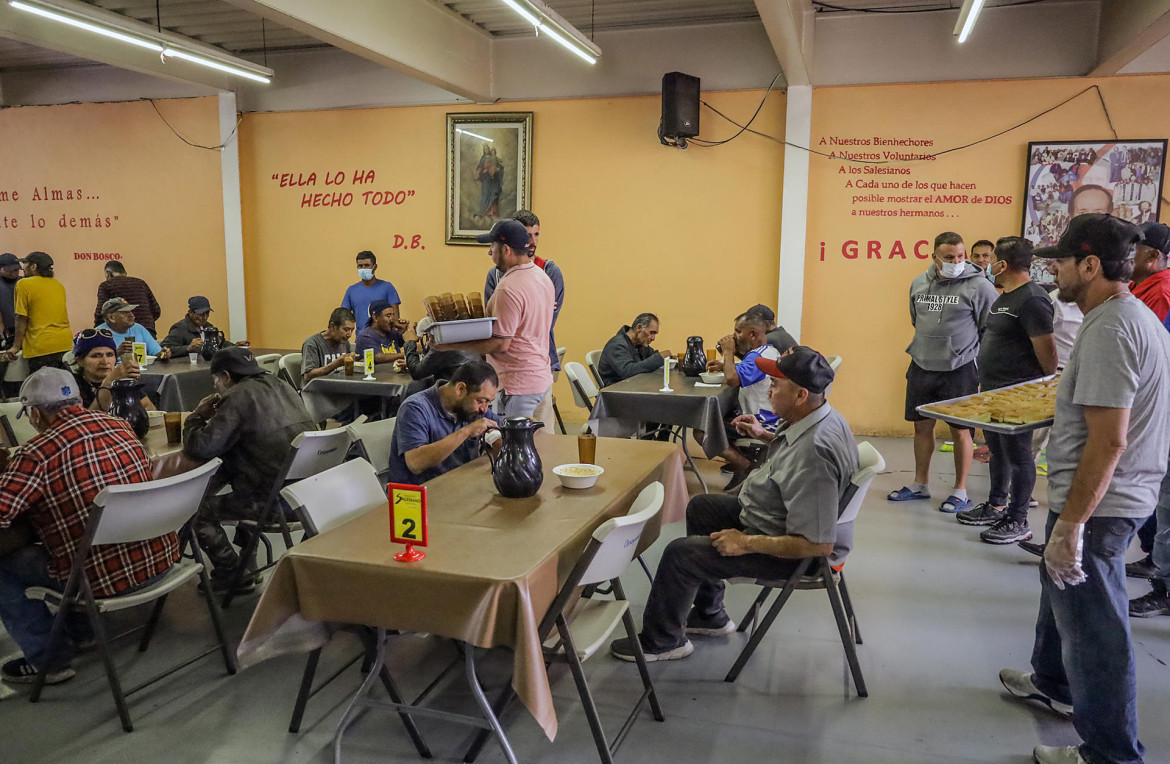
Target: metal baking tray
999, 427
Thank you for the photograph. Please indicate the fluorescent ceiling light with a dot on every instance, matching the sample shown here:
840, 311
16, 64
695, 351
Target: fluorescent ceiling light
546, 20
473, 135
108, 24
48, 14
967, 16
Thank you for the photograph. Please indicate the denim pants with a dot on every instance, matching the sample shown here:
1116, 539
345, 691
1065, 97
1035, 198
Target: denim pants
1013, 470
691, 573
29, 621
1161, 542
1083, 655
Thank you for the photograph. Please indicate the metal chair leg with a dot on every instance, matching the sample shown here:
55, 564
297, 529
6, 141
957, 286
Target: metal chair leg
583, 690
107, 659
753, 612
646, 568
639, 656
507, 695
151, 623
229, 656
848, 602
689, 462
68, 599
766, 622
294, 724
843, 629
485, 707
560, 422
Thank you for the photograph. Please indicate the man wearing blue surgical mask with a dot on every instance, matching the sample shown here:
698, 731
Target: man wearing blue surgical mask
948, 309
369, 289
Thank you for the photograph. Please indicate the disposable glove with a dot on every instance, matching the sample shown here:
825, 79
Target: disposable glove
1062, 554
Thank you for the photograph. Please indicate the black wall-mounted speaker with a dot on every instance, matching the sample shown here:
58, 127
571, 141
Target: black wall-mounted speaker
680, 105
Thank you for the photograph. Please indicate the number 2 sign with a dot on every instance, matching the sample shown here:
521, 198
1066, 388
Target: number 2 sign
408, 519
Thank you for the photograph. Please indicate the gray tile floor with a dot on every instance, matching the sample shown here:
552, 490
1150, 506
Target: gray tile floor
940, 612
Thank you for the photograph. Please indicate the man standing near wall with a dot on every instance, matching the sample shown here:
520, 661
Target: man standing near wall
523, 306
948, 309
42, 321
370, 288
1106, 457
132, 290
981, 256
10, 273
532, 225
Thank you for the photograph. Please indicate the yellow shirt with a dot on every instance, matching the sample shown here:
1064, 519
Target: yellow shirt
42, 301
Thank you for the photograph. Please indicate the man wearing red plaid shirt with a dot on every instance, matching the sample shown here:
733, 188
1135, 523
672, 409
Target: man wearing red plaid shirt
52, 480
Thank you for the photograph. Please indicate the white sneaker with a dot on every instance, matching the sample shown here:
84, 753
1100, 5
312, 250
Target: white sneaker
712, 631
1057, 754
1020, 684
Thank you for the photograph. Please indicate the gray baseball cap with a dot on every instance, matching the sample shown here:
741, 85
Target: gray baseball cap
48, 385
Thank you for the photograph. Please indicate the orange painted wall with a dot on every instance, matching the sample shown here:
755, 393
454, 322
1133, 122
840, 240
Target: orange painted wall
163, 199
690, 235
859, 308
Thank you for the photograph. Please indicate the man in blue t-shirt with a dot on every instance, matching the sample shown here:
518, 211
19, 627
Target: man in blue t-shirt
441, 428
381, 335
119, 316
359, 296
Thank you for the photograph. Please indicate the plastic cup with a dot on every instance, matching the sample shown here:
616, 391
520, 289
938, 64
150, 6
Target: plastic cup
173, 421
349, 366
587, 448
193, 357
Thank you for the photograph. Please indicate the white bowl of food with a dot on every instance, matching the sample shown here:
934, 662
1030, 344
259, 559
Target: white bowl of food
712, 377
578, 475
155, 418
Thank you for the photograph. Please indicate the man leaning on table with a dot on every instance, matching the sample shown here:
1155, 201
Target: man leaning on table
186, 335
441, 428
1106, 457
628, 353
523, 307
786, 511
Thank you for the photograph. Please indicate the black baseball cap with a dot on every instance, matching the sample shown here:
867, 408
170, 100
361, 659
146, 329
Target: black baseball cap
1156, 235
1095, 233
8, 260
510, 232
237, 360
39, 259
199, 304
804, 366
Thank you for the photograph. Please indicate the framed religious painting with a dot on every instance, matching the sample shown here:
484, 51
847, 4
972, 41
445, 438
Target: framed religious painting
1070, 178
489, 171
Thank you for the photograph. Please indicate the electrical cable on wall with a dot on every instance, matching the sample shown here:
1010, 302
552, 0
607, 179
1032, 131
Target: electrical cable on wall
821, 7
180, 136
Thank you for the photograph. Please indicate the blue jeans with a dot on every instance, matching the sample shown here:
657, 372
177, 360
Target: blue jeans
1083, 655
29, 621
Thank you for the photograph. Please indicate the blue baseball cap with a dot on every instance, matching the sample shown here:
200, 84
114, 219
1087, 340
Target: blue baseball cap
510, 232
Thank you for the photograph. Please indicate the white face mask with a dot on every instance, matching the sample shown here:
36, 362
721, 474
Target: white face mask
365, 274
951, 270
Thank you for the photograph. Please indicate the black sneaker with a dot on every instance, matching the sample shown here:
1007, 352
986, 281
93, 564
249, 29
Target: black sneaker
1030, 548
980, 514
1007, 530
221, 584
623, 650
1143, 568
1155, 603
714, 627
20, 671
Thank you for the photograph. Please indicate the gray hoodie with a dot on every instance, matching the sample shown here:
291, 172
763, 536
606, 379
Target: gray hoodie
948, 317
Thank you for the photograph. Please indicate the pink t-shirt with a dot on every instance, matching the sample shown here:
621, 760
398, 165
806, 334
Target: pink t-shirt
523, 307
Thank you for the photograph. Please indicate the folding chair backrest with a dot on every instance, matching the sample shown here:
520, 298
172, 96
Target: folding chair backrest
270, 362
290, 366
332, 497
560, 362
593, 358
22, 429
140, 511
618, 537
316, 451
7, 436
374, 439
584, 391
871, 463
834, 362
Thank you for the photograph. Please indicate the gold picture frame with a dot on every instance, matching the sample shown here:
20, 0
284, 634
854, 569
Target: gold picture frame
489, 171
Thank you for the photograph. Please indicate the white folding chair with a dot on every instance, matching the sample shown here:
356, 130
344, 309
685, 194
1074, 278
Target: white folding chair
290, 368
593, 359
124, 514
18, 428
574, 634
373, 440
584, 391
270, 362
822, 577
311, 452
834, 364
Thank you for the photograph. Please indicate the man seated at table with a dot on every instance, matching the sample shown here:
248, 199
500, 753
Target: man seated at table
441, 427
381, 334
749, 341
628, 353
96, 356
120, 321
786, 511
777, 336
250, 423
186, 336
325, 352
52, 480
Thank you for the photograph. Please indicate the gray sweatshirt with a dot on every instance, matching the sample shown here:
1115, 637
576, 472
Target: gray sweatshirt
948, 317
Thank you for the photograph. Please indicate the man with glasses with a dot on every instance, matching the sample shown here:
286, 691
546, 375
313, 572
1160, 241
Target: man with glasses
1106, 458
120, 321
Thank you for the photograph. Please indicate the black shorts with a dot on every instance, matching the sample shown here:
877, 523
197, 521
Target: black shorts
924, 386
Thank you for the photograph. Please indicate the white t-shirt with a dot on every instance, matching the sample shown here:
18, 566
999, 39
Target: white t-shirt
1066, 322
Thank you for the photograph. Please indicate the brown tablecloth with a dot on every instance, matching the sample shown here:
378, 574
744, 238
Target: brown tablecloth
326, 396
180, 384
493, 567
638, 399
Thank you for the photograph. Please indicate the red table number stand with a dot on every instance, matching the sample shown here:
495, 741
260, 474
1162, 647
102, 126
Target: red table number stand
408, 519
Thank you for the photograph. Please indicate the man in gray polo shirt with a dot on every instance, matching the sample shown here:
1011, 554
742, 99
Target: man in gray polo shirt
1106, 457
786, 511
